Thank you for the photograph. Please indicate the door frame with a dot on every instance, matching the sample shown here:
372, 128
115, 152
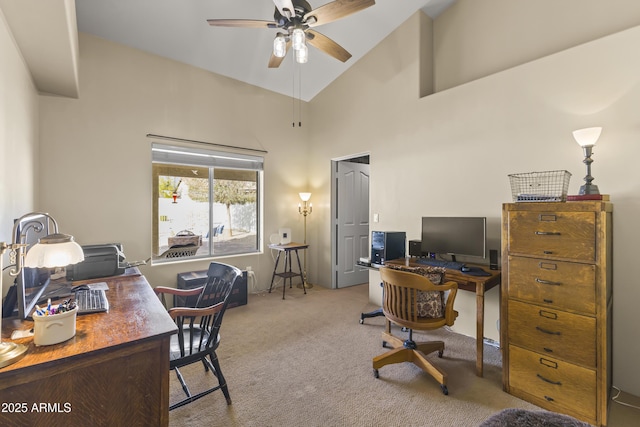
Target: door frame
334, 208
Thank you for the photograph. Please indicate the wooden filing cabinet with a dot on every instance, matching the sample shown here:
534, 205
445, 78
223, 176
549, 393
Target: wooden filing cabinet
556, 306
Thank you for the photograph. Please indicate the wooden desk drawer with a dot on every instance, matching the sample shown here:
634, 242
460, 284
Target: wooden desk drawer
563, 335
570, 235
565, 388
558, 284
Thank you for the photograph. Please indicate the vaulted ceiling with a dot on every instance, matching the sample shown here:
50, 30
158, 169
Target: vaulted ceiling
178, 30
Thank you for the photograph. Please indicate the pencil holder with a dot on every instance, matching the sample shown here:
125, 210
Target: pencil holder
54, 328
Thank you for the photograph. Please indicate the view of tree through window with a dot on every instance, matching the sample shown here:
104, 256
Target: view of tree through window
204, 211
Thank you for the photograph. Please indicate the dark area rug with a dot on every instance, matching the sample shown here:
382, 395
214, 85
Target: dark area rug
514, 417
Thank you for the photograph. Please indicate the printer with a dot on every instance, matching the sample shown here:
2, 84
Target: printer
102, 260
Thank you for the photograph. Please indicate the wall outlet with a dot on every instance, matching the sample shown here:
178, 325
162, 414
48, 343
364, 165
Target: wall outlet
376, 217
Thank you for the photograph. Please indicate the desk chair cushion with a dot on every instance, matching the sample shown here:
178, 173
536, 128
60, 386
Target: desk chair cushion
430, 303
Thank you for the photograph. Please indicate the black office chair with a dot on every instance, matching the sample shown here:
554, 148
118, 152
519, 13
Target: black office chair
198, 334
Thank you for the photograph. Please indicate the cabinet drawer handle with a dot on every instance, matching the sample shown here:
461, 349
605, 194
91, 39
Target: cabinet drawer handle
547, 233
547, 282
548, 315
549, 381
548, 350
547, 332
548, 363
547, 217
549, 399
548, 266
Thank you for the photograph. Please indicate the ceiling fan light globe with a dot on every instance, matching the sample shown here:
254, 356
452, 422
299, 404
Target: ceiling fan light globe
279, 46
302, 55
298, 38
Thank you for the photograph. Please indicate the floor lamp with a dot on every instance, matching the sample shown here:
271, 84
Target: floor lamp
54, 250
305, 209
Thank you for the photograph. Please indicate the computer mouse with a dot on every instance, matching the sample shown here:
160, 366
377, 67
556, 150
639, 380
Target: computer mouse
465, 269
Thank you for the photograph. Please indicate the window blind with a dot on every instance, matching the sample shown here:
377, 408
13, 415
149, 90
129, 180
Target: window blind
172, 154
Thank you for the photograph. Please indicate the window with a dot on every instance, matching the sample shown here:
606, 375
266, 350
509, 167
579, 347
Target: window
205, 203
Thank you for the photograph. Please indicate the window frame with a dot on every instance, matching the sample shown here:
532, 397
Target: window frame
169, 154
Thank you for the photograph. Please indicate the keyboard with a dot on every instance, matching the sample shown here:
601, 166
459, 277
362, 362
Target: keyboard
91, 301
451, 265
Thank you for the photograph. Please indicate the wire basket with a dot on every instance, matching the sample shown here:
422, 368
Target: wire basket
549, 186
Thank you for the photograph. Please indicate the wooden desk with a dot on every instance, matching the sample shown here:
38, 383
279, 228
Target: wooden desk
115, 371
287, 273
477, 284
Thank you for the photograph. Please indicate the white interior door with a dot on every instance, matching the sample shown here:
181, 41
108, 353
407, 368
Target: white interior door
352, 222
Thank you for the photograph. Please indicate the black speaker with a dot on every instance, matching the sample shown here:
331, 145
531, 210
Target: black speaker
493, 259
415, 248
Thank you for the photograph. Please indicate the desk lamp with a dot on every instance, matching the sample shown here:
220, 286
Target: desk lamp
53, 250
305, 210
587, 139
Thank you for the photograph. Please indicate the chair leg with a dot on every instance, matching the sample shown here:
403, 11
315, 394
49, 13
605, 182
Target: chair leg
221, 379
395, 342
397, 355
430, 347
182, 383
421, 360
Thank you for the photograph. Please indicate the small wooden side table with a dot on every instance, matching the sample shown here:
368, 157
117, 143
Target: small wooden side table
287, 273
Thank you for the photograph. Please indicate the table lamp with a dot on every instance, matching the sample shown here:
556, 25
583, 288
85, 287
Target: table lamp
587, 139
53, 250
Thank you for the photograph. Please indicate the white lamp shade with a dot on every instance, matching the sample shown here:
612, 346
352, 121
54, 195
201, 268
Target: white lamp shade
305, 196
58, 254
587, 137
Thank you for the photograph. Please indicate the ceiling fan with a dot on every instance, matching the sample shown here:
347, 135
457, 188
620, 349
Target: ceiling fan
295, 19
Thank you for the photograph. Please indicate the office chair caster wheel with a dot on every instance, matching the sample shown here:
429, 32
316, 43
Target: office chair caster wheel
384, 344
445, 390
440, 353
376, 374
362, 321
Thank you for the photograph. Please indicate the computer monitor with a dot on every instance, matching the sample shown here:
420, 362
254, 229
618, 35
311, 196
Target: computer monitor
31, 282
466, 236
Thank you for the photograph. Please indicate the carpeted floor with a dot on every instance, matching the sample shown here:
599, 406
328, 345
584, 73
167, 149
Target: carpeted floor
306, 361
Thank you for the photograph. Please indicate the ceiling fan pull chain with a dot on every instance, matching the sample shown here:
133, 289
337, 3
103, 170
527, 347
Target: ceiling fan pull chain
299, 96
293, 93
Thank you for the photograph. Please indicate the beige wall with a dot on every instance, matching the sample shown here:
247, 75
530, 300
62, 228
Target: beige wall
450, 153
475, 39
445, 154
96, 165
18, 138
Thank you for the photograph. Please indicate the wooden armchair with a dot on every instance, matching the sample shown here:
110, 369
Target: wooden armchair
401, 305
198, 334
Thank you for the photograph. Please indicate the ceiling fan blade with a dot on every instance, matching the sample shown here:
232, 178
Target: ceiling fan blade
336, 10
328, 46
244, 23
275, 61
285, 7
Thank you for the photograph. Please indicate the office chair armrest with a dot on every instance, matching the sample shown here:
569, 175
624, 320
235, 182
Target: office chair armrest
179, 292
161, 291
449, 313
176, 312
